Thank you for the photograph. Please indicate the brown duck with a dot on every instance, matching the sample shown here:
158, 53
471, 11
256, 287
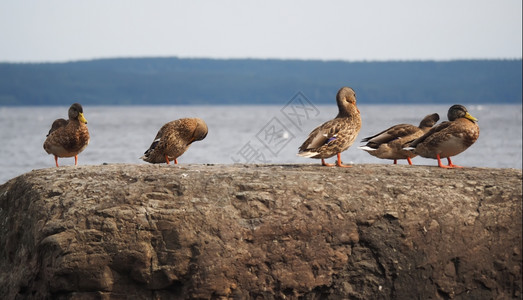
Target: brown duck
67, 138
174, 138
449, 138
337, 135
389, 143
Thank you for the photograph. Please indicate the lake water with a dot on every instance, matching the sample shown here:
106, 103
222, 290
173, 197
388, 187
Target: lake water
242, 134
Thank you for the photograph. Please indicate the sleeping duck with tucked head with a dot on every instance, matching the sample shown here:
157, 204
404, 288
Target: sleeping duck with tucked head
389, 143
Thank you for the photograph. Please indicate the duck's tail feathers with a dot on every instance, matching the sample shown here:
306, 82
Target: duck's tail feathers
151, 148
307, 154
366, 148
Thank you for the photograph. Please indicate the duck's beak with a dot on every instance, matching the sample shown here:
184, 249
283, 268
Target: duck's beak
81, 118
468, 116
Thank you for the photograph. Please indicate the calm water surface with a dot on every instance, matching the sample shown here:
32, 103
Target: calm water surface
243, 134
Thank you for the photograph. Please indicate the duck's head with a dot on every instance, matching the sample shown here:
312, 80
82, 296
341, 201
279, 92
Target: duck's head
429, 121
346, 98
76, 112
201, 130
457, 111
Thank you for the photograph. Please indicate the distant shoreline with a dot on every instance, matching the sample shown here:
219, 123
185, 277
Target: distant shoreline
194, 81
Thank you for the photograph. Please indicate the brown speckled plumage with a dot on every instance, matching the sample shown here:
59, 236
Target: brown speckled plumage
68, 138
337, 135
57, 124
449, 138
389, 143
174, 138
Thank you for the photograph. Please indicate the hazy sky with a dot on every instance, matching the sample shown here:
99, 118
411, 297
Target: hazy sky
64, 30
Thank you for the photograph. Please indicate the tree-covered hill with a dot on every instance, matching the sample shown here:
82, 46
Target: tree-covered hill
254, 81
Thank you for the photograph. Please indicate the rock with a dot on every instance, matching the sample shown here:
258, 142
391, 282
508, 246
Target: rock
261, 232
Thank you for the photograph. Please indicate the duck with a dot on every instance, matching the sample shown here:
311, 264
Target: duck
389, 143
173, 139
337, 135
68, 138
448, 138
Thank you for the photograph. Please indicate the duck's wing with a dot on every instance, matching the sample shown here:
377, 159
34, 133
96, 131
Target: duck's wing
434, 130
58, 123
157, 139
390, 134
322, 135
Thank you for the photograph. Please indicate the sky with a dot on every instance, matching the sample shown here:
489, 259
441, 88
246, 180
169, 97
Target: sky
380, 30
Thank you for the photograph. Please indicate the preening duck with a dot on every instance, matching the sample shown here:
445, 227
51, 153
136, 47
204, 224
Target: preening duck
174, 138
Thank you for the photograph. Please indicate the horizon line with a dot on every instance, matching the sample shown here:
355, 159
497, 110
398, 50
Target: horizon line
251, 58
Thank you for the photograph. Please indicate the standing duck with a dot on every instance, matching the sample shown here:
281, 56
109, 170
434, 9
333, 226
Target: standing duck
449, 138
174, 138
67, 138
337, 135
389, 143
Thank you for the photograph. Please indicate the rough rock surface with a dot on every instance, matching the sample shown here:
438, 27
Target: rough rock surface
261, 232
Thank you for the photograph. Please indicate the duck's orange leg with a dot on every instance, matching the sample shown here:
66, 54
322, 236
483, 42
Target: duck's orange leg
56, 160
175, 161
452, 165
323, 163
395, 162
166, 159
76, 160
338, 162
410, 161
440, 164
